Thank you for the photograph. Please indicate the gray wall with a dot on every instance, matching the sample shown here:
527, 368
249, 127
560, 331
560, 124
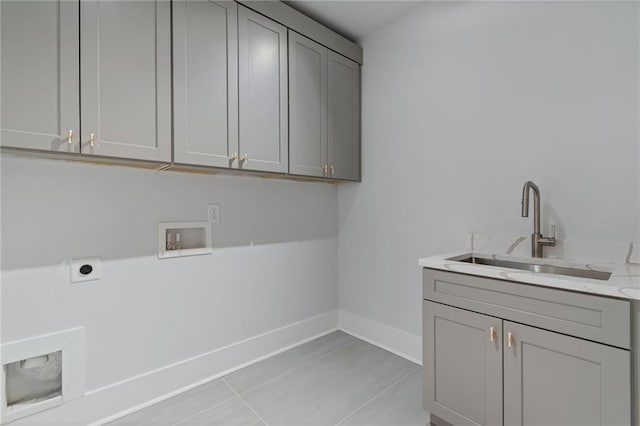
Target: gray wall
464, 102
274, 260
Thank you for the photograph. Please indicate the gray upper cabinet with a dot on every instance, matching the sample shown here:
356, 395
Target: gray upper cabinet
263, 101
194, 82
307, 106
344, 117
40, 75
552, 379
205, 82
324, 111
462, 365
125, 51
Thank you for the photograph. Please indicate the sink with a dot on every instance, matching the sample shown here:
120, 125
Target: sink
536, 267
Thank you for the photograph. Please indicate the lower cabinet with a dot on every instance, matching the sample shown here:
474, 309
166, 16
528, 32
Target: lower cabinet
483, 370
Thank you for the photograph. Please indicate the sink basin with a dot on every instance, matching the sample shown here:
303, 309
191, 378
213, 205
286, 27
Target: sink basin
536, 267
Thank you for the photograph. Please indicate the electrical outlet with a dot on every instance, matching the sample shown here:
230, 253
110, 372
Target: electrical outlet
87, 269
213, 211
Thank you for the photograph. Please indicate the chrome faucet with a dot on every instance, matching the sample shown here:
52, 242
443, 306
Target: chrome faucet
537, 240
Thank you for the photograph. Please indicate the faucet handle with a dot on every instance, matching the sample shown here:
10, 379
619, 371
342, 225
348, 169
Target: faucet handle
550, 240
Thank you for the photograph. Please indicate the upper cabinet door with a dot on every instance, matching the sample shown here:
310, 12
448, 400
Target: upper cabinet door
40, 82
263, 90
307, 106
344, 117
125, 49
205, 82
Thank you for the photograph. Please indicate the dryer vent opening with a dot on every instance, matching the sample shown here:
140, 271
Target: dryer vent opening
33, 379
41, 373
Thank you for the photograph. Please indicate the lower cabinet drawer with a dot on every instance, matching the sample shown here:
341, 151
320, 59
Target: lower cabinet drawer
600, 319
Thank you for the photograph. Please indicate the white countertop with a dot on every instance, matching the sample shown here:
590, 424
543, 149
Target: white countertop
623, 283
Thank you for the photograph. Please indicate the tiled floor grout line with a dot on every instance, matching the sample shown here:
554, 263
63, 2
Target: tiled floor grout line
246, 403
296, 368
376, 396
261, 384
186, 417
208, 408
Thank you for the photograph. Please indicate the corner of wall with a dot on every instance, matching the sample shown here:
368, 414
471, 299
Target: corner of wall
394, 340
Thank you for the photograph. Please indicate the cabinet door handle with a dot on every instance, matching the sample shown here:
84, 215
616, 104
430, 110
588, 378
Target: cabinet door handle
92, 139
510, 340
325, 169
70, 136
234, 157
333, 169
492, 334
244, 158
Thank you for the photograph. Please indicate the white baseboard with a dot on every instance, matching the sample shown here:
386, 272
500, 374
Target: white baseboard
98, 406
394, 340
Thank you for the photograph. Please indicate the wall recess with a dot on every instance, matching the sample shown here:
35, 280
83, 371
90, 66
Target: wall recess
176, 239
41, 372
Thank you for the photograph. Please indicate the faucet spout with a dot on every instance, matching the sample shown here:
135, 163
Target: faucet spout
526, 191
537, 240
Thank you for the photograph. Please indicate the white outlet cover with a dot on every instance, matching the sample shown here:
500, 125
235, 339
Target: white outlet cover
213, 212
77, 264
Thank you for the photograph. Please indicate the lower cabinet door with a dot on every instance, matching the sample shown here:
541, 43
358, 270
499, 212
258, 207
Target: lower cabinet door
462, 365
555, 380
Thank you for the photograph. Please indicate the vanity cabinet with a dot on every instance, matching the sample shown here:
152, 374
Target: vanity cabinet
484, 365
205, 82
324, 113
263, 93
40, 75
89, 77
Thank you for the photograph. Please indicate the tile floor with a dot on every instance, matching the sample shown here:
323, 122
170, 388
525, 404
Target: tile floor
333, 380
